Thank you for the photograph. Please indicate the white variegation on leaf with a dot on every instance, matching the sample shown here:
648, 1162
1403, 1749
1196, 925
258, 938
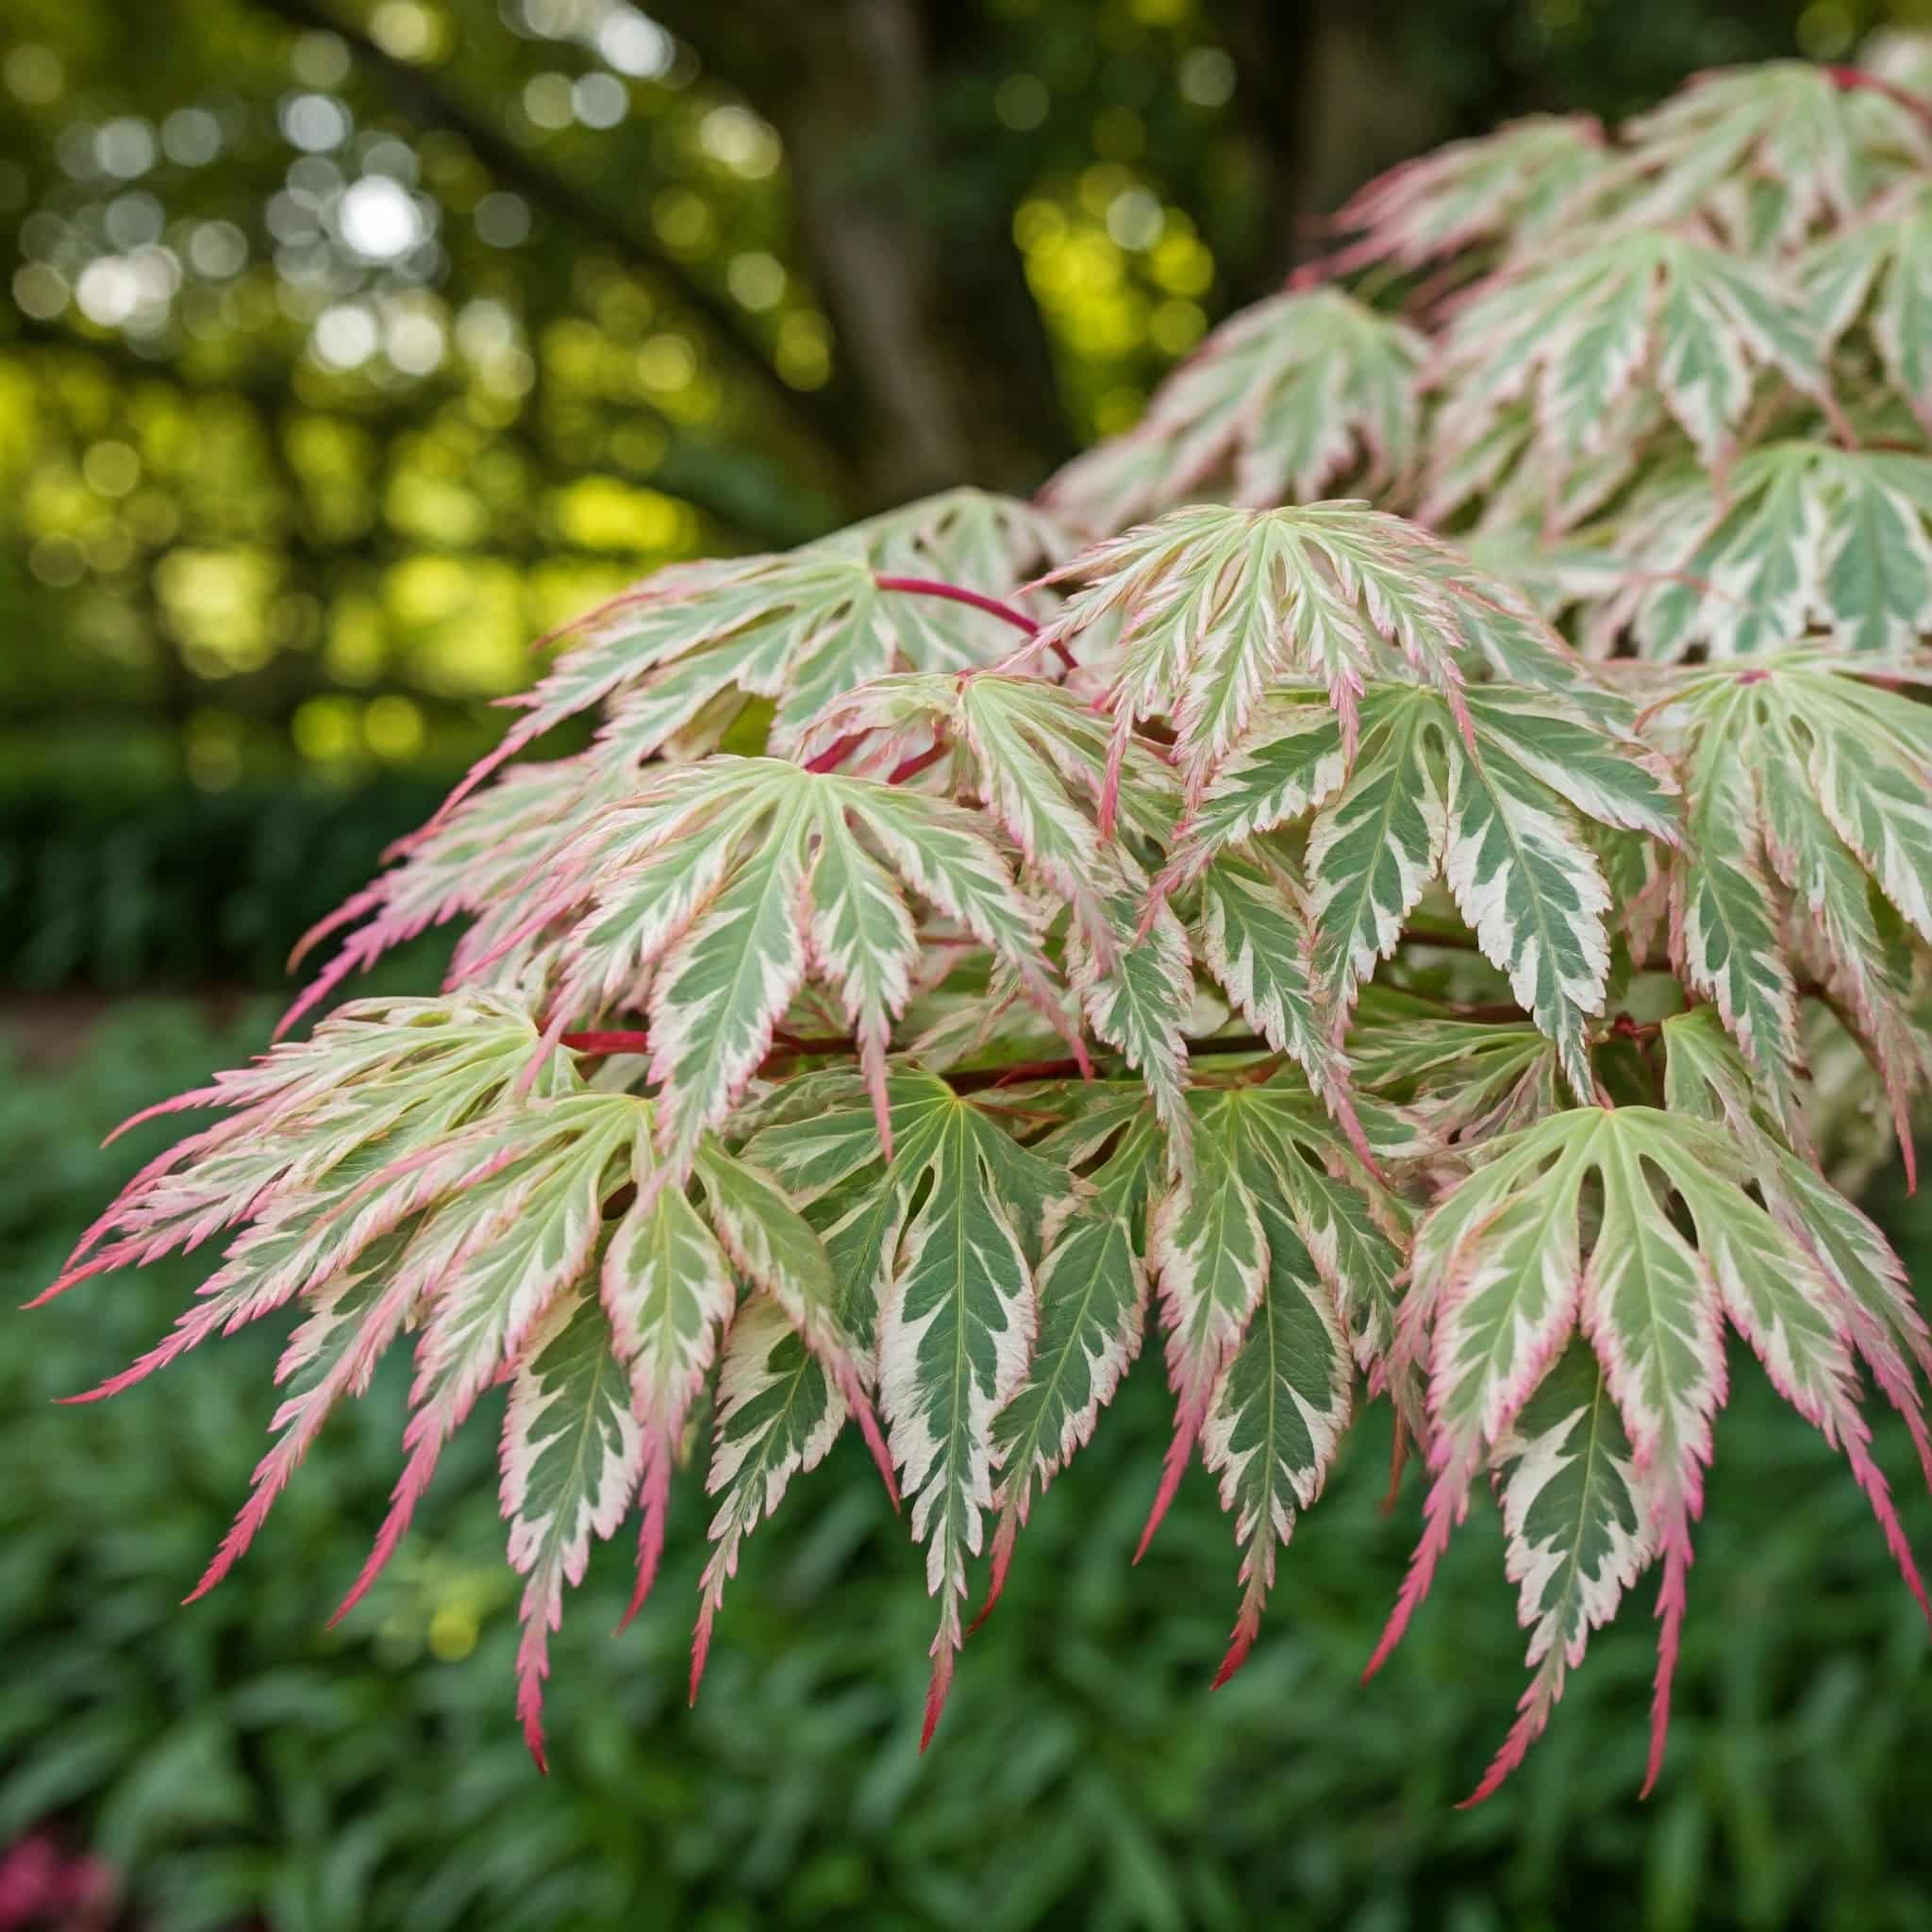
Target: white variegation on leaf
1624, 313
1579, 1535
708, 896
1508, 1268
1513, 190
1800, 536
1877, 274
1495, 808
1093, 1295
404, 1177
572, 1453
1809, 840
1263, 910
1215, 605
1275, 1418
957, 1307
1769, 154
1280, 402
1272, 1171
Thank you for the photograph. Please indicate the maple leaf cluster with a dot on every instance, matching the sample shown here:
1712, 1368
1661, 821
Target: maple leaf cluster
1410, 868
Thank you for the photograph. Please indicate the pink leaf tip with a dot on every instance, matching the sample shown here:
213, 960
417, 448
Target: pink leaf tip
1171, 1470
937, 1691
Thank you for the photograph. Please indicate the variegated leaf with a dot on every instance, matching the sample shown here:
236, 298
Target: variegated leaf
1138, 997
403, 1178
1257, 940
777, 1415
1812, 789
710, 894
1037, 758
1508, 1268
1277, 1417
1092, 1295
957, 1308
1517, 186
1498, 817
1624, 313
1530, 889
1216, 604
667, 1288
572, 1452
1802, 537
1875, 271
1706, 1077
1724, 924
1769, 153
1267, 1149
1465, 1080
1282, 401
1576, 1519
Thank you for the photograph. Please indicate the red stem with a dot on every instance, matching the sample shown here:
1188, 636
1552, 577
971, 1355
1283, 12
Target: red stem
1853, 80
932, 587
958, 593
836, 753
910, 768
969, 1082
607, 1042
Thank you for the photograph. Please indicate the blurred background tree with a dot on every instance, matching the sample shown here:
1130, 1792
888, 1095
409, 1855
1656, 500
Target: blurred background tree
353, 344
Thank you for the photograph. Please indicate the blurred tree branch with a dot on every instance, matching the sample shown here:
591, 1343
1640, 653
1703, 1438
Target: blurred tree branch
429, 101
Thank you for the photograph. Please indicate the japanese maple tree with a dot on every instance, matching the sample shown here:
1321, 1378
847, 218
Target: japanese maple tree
1409, 871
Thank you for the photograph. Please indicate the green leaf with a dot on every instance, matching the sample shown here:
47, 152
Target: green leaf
572, 1453
1801, 536
1277, 1416
1637, 1230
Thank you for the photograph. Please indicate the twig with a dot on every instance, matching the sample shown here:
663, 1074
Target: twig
972, 1081
958, 593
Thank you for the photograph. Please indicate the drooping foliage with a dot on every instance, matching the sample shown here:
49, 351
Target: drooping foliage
1417, 946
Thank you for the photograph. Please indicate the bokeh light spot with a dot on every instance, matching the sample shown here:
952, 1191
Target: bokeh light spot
1022, 101
378, 220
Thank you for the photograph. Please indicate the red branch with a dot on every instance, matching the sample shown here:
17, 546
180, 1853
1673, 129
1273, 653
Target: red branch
608, 1042
970, 1081
910, 768
836, 753
932, 587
